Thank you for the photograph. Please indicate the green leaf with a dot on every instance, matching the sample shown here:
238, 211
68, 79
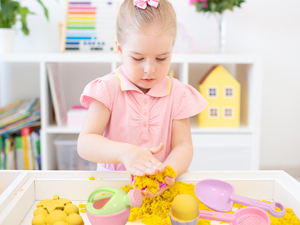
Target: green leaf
9, 8
213, 7
45, 9
8, 13
218, 5
24, 11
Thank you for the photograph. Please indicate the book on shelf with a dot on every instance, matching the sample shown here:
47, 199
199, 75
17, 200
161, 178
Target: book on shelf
2, 160
17, 110
26, 144
51, 108
57, 96
19, 153
35, 144
10, 153
19, 135
21, 113
21, 150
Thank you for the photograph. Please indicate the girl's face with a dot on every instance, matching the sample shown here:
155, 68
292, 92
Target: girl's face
146, 58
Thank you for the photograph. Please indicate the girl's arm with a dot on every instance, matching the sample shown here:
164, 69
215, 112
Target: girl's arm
181, 154
94, 147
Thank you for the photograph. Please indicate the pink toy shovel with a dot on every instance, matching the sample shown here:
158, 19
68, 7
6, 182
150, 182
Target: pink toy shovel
244, 216
219, 196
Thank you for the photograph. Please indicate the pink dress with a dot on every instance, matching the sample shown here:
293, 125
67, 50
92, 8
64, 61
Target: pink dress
140, 119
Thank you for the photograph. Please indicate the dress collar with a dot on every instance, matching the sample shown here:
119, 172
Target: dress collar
159, 90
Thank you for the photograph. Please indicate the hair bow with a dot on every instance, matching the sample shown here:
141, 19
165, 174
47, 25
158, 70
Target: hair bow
142, 4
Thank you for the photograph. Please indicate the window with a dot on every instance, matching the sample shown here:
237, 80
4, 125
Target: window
228, 112
212, 92
228, 92
213, 112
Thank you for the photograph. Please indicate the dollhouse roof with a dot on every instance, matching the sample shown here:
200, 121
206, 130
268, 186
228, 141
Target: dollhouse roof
206, 75
221, 70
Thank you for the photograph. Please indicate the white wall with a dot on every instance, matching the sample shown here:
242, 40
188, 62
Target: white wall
267, 27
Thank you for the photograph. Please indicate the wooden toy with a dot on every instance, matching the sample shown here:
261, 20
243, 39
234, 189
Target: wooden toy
89, 25
222, 91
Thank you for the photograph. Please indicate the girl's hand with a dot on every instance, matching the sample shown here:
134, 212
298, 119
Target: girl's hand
170, 181
140, 161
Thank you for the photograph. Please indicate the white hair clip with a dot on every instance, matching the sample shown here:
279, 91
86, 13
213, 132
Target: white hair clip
142, 4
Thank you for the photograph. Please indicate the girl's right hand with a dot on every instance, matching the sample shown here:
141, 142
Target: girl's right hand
140, 161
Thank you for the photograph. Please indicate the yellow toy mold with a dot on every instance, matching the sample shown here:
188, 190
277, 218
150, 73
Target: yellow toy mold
56, 211
184, 208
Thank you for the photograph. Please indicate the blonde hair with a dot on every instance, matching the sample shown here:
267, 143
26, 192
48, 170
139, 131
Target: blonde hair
131, 19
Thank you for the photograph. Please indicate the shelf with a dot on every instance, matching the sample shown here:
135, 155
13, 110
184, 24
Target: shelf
53, 129
196, 129
240, 130
59, 57
81, 68
113, 57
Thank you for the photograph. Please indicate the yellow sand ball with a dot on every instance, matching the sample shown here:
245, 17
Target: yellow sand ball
60, 223
40, 211
71, 208
56, 216
184, 207
74, 219
55, 197
38, 220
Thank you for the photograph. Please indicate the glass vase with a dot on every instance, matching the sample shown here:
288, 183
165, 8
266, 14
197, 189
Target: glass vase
221, 32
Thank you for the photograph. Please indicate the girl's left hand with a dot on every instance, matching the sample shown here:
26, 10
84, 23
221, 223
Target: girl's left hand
170, 181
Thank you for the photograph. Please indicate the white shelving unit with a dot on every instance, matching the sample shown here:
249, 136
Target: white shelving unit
24, 75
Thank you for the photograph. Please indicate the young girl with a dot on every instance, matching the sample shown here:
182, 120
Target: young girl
138, 117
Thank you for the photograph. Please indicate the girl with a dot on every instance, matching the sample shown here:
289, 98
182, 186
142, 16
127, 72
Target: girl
138, 117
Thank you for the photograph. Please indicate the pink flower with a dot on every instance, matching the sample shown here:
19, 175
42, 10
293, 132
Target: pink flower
204, 2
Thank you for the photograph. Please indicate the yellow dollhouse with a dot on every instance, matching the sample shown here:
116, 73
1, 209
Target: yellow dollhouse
222, 91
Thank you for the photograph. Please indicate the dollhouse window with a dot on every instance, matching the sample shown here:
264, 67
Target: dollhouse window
213, 112
228, 112
228, 92
212, 92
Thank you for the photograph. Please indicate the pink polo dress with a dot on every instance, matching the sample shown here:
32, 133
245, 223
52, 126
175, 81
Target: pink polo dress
140, 119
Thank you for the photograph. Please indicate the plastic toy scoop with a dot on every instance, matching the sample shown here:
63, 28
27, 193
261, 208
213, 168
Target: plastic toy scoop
109, 200
244, 216
219, 196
